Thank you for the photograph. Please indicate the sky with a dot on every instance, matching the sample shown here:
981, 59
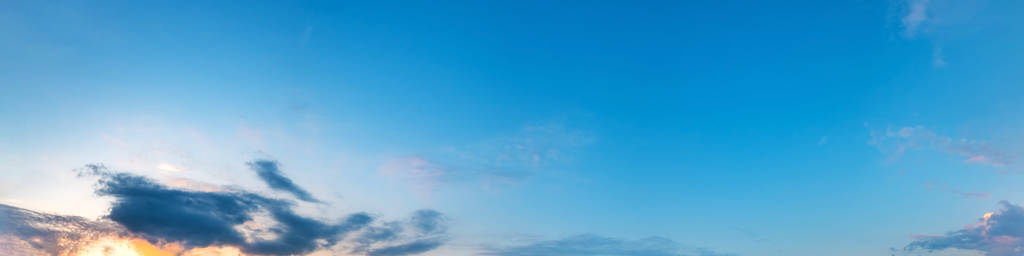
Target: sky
512, 128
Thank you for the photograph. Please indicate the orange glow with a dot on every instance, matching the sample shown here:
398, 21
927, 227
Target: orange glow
147, 249
984, 222
115, 246
109, 247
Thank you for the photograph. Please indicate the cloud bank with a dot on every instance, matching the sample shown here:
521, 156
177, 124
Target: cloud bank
189, 219
595, 245
25, 232
999, 233
201, 219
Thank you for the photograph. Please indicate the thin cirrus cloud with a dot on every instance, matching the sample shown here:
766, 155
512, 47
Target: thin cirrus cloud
896, 142
505, 158
965, 194
189, 219
595, 245
937, 22
917, 13
424, 174
999, 233
971, 194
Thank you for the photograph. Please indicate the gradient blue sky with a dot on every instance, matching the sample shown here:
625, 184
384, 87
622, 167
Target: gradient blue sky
743, 127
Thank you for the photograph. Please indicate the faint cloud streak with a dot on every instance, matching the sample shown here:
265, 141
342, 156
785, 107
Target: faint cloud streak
503, 159
917, 13
896, 142
588, 244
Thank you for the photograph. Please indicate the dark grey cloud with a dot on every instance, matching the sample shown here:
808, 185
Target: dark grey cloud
414, 247
594, 245
428, 221
47, 234
999, 233
254, 223
270, 173
424, 231
199, 218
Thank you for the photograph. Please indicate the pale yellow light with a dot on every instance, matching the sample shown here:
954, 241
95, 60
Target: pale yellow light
114, 246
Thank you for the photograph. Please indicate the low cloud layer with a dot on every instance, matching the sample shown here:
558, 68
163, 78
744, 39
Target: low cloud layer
999, 233
426, 228
25, 232
595, 245
201, 219
269, 172
254, 224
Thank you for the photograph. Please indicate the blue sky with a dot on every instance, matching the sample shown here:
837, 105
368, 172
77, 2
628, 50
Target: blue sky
537, 127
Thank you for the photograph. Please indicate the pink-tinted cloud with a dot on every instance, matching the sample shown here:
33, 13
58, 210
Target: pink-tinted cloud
997, 233
425, 175
961, 193
896, 142
503, 159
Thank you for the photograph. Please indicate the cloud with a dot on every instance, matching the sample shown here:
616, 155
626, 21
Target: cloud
917, 13
25, 232
970, 194
503, 158
225, 220
998, 233
937, 59
896, 142
423, 173
415, 247
169, 167
424, 231
940, 22
269, 172
201, 219
594, 245
961, 193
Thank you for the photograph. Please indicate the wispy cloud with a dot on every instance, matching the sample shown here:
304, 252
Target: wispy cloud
26, 232
938, 22
169, 167
937, 59
269, 172
896, 142
424, 174
955, 191
589, 244
916, 15
505, 158
999, 233
424, 231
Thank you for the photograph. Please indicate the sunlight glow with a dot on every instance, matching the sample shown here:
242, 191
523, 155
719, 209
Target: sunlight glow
114, 246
